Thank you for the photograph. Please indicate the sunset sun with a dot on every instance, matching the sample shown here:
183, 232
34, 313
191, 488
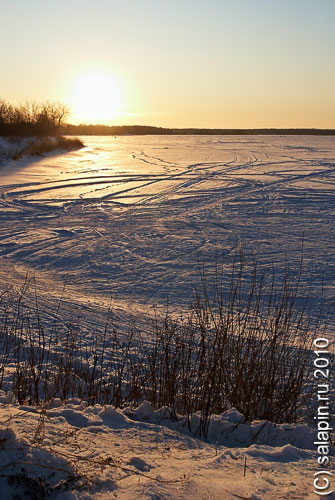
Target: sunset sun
96, 98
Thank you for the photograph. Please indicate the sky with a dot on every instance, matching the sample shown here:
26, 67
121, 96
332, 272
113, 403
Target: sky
176, 63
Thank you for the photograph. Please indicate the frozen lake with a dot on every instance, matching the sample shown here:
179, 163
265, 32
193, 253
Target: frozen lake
130, 217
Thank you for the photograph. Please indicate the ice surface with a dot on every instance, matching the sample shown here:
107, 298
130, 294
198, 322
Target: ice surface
132, 216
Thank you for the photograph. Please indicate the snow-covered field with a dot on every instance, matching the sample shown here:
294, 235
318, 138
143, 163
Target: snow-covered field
102, 453
131, 217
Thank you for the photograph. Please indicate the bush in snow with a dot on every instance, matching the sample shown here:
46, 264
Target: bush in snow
245, 344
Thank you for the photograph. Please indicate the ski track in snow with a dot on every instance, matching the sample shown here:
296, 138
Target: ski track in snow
132, 216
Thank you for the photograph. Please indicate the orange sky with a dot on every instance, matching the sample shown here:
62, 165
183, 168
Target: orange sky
259, 63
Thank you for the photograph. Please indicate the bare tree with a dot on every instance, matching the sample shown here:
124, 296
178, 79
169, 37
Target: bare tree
32, 118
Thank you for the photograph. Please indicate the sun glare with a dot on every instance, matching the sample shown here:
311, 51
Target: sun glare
96, 99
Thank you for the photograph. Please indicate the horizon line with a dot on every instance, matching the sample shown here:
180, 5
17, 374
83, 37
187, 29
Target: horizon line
144, 129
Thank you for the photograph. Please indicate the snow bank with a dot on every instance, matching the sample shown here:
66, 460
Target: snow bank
230, 429
24, 468
287, 453
12, 147
74, 451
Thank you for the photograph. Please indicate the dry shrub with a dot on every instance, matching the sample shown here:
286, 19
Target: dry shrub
245, 344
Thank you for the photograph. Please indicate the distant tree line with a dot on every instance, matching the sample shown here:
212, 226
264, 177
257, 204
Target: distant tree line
49, 118
32, 119
148, 130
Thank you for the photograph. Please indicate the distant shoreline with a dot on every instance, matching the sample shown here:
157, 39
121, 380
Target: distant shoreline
149, 130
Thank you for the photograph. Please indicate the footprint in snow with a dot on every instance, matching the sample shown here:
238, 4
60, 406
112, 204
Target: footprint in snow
63, 232
139, 464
